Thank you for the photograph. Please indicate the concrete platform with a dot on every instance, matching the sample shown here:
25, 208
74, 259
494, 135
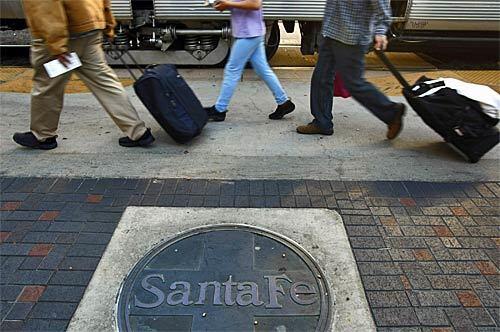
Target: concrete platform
320, 232
248, 145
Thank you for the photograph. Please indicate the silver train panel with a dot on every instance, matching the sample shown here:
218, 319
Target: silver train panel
273, 9
122, 9
466, 15
454, 15
11, 9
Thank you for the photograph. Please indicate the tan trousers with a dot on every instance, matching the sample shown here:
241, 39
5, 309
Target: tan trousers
48, 93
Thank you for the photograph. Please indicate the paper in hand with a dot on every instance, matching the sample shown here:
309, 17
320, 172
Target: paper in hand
55, 68
209, 3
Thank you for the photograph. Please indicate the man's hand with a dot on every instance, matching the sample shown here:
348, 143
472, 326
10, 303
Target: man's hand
380, 42
222, 5
64, 59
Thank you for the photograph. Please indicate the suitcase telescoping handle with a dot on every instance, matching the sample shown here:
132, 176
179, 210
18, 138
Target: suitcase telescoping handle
117, 54
393, 69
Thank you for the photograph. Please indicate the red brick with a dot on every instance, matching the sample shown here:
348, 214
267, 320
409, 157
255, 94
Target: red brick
49, 215
469, 299
4, 236
459, 211
423, 255
442, 329
406, 282
497, 241
31, 293
40, 249
388, 221
442, 231
10, 206
487, 268
94, 198
408, 202
354, 195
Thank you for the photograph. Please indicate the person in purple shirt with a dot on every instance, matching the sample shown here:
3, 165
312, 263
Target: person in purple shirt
249, 32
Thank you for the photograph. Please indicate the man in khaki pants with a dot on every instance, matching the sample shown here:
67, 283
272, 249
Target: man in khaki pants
59, 27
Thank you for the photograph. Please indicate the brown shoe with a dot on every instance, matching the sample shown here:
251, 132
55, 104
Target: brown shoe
394, 128
312, 129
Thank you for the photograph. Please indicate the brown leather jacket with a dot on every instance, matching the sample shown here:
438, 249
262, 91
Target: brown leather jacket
55, 20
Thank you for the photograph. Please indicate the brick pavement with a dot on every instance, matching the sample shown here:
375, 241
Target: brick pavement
427, 252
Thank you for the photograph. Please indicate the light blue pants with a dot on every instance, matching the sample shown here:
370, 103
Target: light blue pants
244, 50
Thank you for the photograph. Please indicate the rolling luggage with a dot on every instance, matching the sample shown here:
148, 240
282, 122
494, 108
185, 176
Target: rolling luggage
458, 119
170, 101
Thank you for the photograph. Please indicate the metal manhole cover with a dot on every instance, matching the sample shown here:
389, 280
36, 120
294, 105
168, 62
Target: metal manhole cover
225, 278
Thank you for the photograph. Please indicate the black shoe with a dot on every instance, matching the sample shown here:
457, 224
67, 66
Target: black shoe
145, 140
282, 110
215, 115
29, 140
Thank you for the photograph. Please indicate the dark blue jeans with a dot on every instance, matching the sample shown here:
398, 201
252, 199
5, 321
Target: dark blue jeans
349, 61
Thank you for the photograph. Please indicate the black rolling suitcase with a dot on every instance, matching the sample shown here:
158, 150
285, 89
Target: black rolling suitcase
170, 101
458, 119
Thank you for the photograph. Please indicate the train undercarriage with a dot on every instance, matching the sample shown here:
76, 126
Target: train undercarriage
187, 33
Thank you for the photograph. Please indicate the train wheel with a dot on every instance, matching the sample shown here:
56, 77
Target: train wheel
273, 43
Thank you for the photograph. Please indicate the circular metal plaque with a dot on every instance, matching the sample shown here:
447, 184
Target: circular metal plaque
225, 278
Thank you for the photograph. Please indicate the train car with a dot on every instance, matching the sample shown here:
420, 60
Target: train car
433, 25
187, 32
